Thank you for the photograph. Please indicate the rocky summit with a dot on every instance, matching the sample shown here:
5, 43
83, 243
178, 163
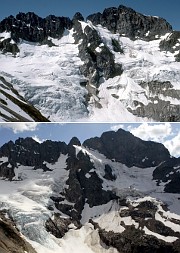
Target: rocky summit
56, 197
86, 69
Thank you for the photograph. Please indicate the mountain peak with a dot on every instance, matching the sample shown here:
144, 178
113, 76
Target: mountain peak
74, 141
123, 147
129, 23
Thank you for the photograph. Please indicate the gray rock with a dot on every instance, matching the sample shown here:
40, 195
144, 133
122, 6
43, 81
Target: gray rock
127, 22
158, 109
98, 59
77, 17
11, 241
135, 240
33, 28
125, 148
108, 173
7, 47
28, 152
7, 171
168, 173
171, 44
58, 226
82, 189
171, 41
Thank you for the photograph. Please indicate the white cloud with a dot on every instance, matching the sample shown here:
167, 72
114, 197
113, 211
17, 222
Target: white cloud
20, 127
173, 145
155, 132
116, 127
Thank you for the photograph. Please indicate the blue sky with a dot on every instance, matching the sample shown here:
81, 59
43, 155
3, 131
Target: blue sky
166, 133
163, 8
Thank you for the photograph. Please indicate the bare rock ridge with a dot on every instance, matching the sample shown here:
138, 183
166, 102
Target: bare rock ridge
122, 20
128, 22
33, 28
125, 148
28, 152
121, 146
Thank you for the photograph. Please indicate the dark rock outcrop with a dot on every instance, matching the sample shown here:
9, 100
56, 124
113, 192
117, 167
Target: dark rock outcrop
127, 22
169, 174
30, 27
134, 239
70, 147
77, 17
58, 226
158, 109
11, 241
108, 173
84, 186
28, 152
9, 46
7, 170
125, 148
98, 59
172, 44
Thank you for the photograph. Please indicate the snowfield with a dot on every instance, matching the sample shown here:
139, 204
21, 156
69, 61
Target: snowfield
49, 78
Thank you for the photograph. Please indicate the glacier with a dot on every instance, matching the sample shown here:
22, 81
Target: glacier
50, 79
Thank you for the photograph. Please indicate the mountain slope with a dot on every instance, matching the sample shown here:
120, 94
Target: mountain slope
118, 65
65, 197
11, 240
14, 107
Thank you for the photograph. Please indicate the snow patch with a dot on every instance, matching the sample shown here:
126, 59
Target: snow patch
169, 239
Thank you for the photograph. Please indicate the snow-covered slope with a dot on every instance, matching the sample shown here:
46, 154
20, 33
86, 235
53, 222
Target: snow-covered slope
94, 70
133, 91
14, 107
76, 199
49, 77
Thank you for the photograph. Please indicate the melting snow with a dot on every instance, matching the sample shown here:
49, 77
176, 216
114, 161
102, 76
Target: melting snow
161, 237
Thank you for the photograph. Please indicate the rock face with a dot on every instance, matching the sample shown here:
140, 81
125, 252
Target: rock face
159, 109
98, 60
122, 20
168, 173
84, 186
32, 28
135, 240
8, 46
28, 152
123, 147
171, 44
11, 241
127, 22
